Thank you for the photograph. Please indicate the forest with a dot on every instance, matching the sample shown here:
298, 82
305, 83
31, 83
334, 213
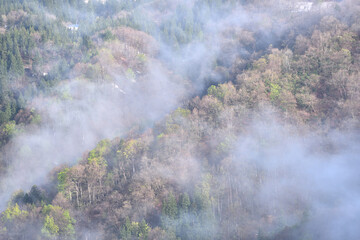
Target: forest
167, 119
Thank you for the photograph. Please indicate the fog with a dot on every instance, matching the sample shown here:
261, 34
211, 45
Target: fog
279, 180
315, 173
284, 166
80, 113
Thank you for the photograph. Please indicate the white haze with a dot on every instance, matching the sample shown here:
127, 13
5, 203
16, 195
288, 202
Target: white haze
97, 111
281, 176
78, 117
317, 174
83, 113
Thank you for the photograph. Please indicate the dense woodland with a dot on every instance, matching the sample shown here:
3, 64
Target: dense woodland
186, 175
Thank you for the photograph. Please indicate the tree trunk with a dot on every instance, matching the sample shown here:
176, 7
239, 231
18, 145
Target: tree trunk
89, 192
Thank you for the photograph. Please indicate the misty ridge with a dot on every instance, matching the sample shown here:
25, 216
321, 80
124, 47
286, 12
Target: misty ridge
179, 119
84, 112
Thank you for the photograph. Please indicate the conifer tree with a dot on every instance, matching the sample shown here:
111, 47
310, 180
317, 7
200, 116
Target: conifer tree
170, 207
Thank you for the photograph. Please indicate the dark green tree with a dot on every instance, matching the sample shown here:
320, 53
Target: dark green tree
170, 207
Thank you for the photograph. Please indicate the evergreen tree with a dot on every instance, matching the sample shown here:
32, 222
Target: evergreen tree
19, 67
170, 207
185, 202
12, 63
4, 56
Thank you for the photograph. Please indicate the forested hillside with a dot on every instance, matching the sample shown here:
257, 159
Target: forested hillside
196, 119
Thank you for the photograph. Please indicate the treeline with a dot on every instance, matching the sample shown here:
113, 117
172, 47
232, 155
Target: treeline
14, 47
180, 179
39, 50
187, 22
52, 5
24, 67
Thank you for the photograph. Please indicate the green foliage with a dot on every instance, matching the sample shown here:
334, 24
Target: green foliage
66, 95
93, 72
169, 207
130, 74
184, 202
9, 129
87, 43
216, 92
224, 147
183, 27
135, 230
176, 120
22, 50
17, 197
171, 127
161, 135
144, 230
62, 179
96, 156
50, 230
180, 112
69, 229
129, 149
35, 196
36, 118
12, 213
47, 209
202, 194
142, 57
57, 222
107, 35
260, 64
275, 91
